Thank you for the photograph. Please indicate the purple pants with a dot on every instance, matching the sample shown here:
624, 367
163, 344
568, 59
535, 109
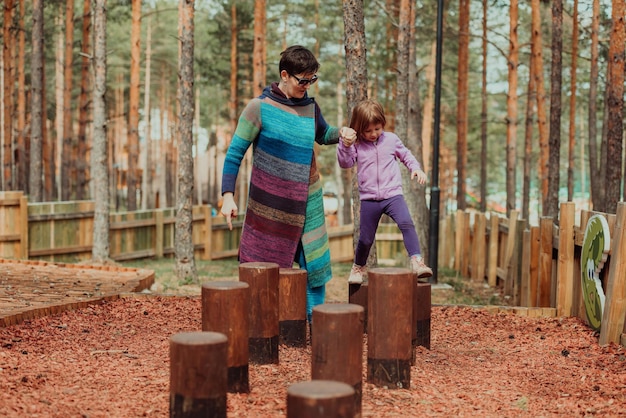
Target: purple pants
371, 212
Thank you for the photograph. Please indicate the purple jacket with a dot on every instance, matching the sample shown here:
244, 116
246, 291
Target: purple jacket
378, 171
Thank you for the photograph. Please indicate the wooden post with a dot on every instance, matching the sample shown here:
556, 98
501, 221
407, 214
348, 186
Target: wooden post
545, 262
565, 263
320, 399
208, 231
421, 313
494, 233
390, 324
225, 309
292, 285
357, 294
508, 253
458, 239
479, 246
198, 376
466, 245
23, 227
263, 334
339, 359
614, 314
533, 267
159, 233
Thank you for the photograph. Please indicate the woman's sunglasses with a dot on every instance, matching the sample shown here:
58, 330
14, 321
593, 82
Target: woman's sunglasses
304, 81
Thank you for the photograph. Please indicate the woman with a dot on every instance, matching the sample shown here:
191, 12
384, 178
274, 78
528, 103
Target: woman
284, 219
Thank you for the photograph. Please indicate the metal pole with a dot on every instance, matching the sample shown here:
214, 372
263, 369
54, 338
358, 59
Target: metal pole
434, 190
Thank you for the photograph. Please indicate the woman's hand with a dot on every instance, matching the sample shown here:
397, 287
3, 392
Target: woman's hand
347, 136
229, 209
421, 176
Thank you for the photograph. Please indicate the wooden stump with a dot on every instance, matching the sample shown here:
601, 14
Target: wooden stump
390, 325
198, 374
421, 314
320, 399
292, 284
337, 346
263, 333
225, 309
357, 294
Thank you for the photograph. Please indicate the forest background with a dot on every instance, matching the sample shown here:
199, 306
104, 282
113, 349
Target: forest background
528, 111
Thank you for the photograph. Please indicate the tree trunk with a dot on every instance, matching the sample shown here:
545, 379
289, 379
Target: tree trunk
356, 90
596, 181
21, 152
233, 109
99, 157
185, 261
133, 107
615, 97
572, 107
57, 141
531, 100
147, 199
462, 103
537, 72
7, 129
511, 120
83, 105
551, 208
258, 53
67, 161
36, 101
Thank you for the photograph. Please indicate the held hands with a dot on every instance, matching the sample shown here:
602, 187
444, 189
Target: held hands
229, 209
421, 176
347, 136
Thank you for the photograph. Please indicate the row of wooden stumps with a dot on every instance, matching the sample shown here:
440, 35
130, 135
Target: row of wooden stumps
245, 321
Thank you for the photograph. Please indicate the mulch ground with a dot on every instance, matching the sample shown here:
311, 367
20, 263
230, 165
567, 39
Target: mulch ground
112, 360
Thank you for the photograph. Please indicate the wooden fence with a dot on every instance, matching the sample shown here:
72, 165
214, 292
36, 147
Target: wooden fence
538, 266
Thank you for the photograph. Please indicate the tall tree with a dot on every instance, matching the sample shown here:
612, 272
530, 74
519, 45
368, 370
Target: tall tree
356, 90
133, 103
572, 105
233, 109
36, 101
537, 73
67, 161
531, 101
462, 103
21, 154
84, 104
185, 261
615, 98
596, 181
511, 105
551, 208
7, 60
258, 53
147, 201
99, 157
483, 113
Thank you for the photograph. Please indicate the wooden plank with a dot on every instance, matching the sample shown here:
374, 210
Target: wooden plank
515, 266
614, 315
545, 262
565, 263
510, 244
458, 241
158, 236
206, 232
466, 245
525, 279
492, 264
533, 270
480, 227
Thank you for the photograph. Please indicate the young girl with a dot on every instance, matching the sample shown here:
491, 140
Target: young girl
375, 151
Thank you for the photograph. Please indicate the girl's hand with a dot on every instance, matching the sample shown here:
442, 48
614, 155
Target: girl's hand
229, 209
347, 136
421, 176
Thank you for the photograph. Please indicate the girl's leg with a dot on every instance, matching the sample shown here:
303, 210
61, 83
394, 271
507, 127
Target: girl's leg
314, 296
371, 211
397, 209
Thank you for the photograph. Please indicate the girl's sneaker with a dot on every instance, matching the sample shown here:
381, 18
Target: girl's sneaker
420, 268
356, 274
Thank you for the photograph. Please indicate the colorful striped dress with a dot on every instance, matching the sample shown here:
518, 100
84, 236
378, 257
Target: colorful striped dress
285, 202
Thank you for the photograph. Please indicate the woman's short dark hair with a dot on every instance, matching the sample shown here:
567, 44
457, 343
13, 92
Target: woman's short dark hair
298, 60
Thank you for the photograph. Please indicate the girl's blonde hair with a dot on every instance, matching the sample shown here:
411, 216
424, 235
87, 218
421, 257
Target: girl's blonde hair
365, 113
